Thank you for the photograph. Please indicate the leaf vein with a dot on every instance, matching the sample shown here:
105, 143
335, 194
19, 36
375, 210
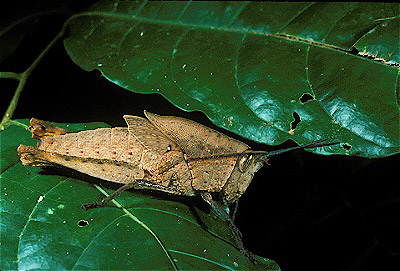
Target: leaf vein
202, 258
238, 12
183, 10
174, 50
140, 8
295, 16
133, 217
31, 213
94, 238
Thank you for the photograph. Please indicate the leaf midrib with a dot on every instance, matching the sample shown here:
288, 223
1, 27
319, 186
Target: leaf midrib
278, 35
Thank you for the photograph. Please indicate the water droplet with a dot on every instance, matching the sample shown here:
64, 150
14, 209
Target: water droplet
141, 34
187, 104
99, 64
184, 66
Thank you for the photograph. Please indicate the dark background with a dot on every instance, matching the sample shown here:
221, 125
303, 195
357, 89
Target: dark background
305, 211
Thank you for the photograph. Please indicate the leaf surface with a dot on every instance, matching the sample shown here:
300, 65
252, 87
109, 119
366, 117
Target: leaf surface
43, 226
267, 71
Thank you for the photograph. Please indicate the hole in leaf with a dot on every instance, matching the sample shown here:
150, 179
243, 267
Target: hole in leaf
347, 147
296, 121
354, 51
306, 97
82, 223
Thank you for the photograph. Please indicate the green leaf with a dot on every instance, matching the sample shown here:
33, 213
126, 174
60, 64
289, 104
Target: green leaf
43, 226
267, 71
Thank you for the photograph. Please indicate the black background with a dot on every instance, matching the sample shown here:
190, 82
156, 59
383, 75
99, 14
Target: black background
305, 211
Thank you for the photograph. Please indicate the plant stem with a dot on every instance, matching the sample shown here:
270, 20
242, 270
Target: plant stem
22, 78
10, 75
26, 127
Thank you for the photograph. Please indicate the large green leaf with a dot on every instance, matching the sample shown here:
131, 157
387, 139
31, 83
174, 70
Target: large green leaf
255, 67
43, 226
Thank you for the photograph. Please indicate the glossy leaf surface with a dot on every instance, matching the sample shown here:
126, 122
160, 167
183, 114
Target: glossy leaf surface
255, 67
43, 226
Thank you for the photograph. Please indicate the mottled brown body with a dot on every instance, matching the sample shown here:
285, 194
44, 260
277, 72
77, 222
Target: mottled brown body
170, 154
165, 153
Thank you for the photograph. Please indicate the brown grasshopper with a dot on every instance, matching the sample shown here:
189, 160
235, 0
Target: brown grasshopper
165, 153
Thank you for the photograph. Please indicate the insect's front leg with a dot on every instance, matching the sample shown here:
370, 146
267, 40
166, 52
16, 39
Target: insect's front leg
222, 213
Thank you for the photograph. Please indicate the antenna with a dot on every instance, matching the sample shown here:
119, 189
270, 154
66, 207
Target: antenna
267, 154
314, 144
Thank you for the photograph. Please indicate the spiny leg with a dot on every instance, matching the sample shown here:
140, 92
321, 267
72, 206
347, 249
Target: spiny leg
98, 204
138, 184
221, 212
235, 209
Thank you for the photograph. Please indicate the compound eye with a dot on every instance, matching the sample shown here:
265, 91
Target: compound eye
245, 161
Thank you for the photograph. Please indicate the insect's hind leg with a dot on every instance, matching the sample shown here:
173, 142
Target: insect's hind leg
222, 213
97, 204
138, 184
